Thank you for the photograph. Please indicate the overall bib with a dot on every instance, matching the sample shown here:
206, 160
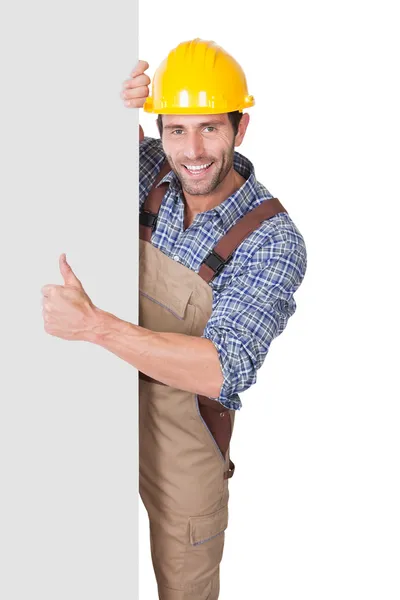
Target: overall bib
184, 461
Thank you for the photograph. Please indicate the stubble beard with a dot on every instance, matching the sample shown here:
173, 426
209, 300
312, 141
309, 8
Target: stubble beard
202, 188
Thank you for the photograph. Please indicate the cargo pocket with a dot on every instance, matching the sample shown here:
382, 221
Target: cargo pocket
205, 547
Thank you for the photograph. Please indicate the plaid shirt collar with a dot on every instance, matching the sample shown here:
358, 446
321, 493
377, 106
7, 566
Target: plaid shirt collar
234, 207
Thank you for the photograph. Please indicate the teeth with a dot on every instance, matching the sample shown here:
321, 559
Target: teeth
199, 168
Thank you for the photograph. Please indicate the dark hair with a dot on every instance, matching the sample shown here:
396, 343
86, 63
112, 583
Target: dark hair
234, 118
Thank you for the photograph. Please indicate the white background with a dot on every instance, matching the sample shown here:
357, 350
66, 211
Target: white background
68, 410
314, 500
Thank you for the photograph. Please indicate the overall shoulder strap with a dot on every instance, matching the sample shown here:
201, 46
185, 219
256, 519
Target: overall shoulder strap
213, 264
151, 206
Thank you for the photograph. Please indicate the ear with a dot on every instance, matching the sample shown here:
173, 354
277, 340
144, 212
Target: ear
244, 121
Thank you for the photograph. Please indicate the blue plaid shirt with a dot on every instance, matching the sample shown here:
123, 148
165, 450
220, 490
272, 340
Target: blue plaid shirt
253, 295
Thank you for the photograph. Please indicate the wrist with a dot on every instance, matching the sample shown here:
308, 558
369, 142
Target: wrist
96, 326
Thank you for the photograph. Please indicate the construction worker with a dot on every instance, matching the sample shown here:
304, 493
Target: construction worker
219, 261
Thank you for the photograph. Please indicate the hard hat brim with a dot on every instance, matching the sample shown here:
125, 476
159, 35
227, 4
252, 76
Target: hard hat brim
196, 110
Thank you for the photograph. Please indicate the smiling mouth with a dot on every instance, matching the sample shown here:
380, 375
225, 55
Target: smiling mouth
197, 170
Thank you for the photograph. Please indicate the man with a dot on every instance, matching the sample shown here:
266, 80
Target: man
220, 260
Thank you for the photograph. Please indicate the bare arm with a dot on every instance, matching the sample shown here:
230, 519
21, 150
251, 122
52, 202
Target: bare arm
186, 362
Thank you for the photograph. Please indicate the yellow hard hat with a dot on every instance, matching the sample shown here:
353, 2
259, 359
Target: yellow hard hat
198, 77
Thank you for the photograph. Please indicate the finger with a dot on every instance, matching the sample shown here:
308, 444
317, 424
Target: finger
141, 66
46, 290
70, 279
49, 306
138, 103
49, 290
136, 81
139, 92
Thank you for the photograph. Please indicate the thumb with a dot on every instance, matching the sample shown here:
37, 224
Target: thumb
70, 279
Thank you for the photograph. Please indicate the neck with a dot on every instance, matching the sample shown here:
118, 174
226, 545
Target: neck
197, 204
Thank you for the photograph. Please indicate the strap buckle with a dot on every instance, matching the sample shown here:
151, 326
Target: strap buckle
148, 219
216, 262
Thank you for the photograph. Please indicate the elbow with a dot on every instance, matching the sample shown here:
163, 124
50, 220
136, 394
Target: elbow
211, 387
217, 386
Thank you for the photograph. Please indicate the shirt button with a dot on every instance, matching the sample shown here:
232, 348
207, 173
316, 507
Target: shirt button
176, 258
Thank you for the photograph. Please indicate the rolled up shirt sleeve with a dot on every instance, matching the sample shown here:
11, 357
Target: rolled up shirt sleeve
252, 311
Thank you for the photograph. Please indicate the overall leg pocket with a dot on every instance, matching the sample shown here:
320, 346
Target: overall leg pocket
204, 550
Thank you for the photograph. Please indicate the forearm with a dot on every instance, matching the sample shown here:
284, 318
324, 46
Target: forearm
181, 361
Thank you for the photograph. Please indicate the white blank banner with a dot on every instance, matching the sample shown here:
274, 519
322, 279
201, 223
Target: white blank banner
68, 409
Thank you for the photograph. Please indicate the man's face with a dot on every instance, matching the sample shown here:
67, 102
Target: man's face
199, 149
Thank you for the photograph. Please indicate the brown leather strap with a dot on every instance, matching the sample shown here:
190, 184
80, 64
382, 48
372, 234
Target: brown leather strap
218, 420
235, 236
151, 205
226, 246
153, 202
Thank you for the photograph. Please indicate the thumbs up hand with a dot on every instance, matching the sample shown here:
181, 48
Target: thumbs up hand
68, 312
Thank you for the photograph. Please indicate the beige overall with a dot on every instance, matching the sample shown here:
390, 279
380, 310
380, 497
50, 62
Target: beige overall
184, 437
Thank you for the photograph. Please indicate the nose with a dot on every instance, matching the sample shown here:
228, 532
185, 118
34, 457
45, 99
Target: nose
194, 146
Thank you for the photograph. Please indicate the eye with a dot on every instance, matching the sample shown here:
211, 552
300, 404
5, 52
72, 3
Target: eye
210, 128
176, 130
